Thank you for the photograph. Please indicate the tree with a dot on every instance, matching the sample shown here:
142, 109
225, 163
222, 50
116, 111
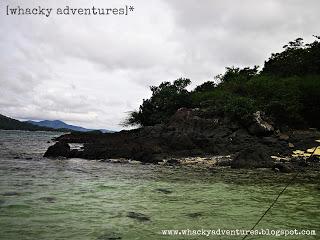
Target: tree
298, 59
166, 99
206, 86
238, 74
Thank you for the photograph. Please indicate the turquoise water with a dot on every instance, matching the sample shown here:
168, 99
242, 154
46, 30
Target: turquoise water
79, 199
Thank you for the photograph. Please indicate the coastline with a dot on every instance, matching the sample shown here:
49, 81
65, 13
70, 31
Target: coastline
189, 139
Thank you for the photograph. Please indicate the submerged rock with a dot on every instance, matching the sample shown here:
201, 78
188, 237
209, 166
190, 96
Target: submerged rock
10, 194
281, 167
48, 199
138, 216
194, 215
110, 236
163, 190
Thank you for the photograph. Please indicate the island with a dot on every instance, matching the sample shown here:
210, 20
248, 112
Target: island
260, 119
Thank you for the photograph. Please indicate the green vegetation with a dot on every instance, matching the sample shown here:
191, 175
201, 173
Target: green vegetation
287, 89
165, 100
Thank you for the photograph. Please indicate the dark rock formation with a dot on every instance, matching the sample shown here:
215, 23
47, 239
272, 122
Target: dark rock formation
189, 133
11, 194
252, 158
163, 190
110, 236
194, 215
138, 216
48, 199
281, 167
59, 149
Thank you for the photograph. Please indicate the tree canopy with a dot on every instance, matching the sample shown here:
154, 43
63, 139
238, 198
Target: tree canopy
287, 89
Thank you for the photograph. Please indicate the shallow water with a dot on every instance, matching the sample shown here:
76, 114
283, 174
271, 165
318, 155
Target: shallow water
79, 199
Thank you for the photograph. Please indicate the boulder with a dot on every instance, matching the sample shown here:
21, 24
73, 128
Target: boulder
252, 158
59, 149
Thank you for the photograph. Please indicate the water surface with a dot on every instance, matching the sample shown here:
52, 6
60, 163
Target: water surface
79, 199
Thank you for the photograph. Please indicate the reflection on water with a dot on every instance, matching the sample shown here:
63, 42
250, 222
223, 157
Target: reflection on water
78, 199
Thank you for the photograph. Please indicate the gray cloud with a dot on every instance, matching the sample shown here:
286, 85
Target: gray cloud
93, 70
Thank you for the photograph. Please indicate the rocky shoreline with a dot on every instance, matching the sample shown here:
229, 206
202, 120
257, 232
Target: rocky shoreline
191, 137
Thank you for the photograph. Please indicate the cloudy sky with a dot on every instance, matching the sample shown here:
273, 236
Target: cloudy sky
92, 70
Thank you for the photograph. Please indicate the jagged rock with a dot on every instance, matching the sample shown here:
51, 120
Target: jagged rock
59, 149
189, 133
260, 125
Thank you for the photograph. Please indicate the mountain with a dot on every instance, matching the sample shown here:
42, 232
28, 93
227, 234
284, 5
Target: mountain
57, 124
7, 123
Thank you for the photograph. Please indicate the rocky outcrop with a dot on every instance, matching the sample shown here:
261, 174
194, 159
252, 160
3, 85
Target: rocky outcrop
252, 158
59, 149
189, 133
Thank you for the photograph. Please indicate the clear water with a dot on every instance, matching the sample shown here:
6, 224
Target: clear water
79, 199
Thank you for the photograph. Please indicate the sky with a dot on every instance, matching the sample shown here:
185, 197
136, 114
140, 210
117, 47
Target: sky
93, 70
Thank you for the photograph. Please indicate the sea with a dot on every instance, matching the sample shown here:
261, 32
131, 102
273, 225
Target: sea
81, 199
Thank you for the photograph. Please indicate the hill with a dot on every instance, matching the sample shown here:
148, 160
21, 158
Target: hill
7, 123
57, 124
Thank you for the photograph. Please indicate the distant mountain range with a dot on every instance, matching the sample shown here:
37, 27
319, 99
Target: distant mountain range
8, 123
57, 124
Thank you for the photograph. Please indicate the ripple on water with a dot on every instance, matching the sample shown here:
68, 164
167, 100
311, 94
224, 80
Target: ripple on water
87, 200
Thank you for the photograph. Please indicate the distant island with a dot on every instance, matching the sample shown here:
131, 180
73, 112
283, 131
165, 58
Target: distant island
7, 123
57, 124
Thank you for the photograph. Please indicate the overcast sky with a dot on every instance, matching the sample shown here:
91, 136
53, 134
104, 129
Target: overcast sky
92, 70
